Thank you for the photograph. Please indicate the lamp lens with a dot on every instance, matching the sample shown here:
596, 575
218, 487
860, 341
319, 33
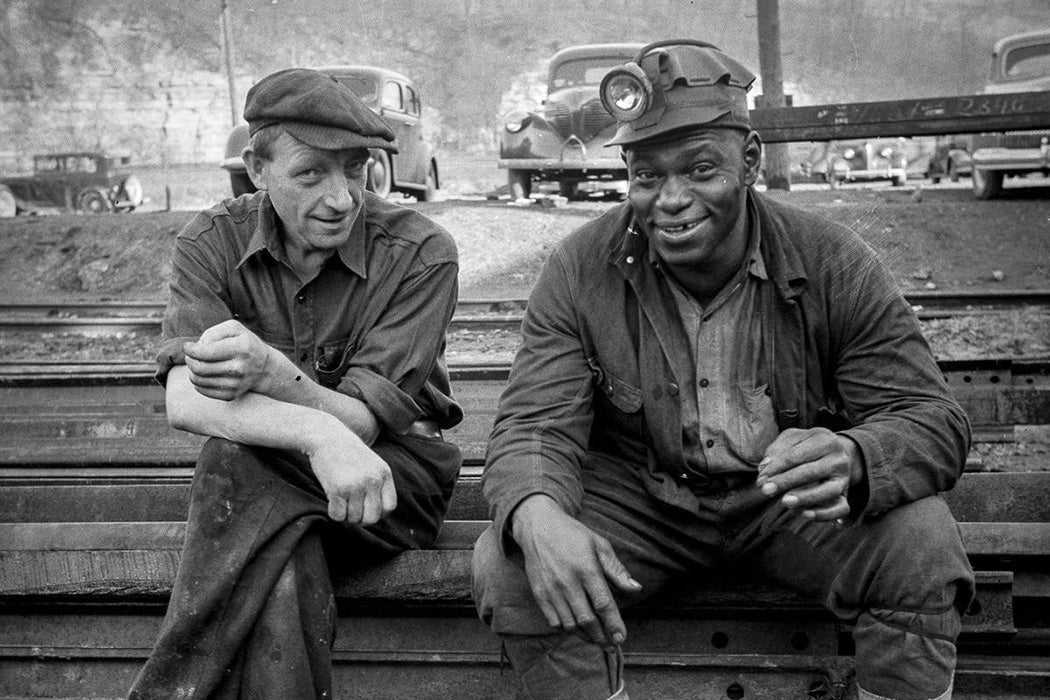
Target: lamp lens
625, 93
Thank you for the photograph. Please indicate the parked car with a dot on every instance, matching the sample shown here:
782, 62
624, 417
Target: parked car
85, 181
564, 143
1020, 63
836, 162
412, 170
950, 158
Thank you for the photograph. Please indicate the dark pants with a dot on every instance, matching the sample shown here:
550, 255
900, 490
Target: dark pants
901, 579
252, 611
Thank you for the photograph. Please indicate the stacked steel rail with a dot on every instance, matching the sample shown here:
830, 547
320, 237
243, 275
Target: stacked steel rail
99, 318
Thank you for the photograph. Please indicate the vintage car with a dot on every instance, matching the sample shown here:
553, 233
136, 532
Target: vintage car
412, 170
84, 181
836, 162
564, 143
950, 158
1020, 63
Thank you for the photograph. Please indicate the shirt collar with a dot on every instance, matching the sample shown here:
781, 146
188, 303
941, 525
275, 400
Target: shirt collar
266, 236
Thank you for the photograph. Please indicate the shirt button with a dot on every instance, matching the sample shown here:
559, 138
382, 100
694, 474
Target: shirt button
710, 443
630, 259
301, 298
673, 388
704, 383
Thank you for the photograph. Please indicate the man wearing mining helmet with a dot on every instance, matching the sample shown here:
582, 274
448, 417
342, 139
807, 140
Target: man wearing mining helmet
709, 378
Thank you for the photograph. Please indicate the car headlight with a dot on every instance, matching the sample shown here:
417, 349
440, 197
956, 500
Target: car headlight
516, 121
626, 92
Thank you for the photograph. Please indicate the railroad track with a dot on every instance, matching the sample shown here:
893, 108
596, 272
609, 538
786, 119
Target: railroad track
109, 318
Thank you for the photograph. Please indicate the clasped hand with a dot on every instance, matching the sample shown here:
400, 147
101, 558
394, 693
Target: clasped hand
811, 469
229, 360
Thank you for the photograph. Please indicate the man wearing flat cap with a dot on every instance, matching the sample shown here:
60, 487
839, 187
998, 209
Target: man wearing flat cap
305, 335
712, 379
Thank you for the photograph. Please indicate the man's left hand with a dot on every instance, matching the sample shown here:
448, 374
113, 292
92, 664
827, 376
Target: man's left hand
811, 470
229, 360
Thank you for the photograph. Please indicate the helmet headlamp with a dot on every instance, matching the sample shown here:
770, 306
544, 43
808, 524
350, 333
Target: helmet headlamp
626, 92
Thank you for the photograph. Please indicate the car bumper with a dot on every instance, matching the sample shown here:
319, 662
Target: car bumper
877, 174
1012, 158
234, 165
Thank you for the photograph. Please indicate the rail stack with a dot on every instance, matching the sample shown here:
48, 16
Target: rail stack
93, 496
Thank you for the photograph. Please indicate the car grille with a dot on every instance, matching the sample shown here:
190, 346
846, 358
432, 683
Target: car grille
1016, 139
1030, 139
585, 123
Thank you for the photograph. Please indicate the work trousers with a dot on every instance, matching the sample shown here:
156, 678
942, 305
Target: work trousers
252, 610
901, 579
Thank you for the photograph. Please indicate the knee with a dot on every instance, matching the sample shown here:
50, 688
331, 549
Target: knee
229, 471
501, 591
920, 560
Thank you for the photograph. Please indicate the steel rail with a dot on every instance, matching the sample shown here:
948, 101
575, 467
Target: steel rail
59, 372
110, 318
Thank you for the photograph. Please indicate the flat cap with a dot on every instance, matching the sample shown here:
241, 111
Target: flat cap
316, 109
693, 84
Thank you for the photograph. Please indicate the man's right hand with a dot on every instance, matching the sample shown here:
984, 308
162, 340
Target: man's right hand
569, 568
357, 481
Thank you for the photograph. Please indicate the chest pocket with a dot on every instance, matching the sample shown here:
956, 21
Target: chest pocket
333, 359
617, 403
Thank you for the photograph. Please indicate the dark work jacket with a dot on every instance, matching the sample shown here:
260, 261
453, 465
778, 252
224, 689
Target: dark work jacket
604, 354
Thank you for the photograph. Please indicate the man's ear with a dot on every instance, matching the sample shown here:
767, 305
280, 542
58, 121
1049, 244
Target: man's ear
254, 163
752, 153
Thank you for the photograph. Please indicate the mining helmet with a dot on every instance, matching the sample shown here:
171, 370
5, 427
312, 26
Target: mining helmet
674, 84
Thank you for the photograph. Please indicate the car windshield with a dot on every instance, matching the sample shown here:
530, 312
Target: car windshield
584, 71
1028, 62
363, 87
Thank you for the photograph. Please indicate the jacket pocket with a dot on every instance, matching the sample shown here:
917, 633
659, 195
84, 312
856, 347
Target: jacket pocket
757, 426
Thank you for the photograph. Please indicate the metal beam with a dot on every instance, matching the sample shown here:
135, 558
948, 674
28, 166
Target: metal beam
929, 116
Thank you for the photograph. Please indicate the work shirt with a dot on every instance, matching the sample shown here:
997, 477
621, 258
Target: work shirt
727, 413
371, 324
604, 356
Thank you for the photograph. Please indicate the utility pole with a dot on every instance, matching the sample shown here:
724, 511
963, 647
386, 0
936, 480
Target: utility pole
775, 155
227, 56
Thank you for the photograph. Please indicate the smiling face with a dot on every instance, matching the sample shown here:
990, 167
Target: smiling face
689, 194
317, 193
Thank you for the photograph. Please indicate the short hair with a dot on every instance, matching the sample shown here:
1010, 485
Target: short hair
262, 141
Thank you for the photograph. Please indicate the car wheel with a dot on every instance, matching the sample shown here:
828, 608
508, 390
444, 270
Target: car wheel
240, 183
987, 184
900, 180
92, 202
520, 182
567, 189
8, 203
427, 195
380, 176
934, 178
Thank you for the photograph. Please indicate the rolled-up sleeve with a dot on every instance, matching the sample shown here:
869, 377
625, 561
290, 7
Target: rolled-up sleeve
398, 355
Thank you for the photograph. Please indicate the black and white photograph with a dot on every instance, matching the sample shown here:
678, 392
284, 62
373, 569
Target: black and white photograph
525, 349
